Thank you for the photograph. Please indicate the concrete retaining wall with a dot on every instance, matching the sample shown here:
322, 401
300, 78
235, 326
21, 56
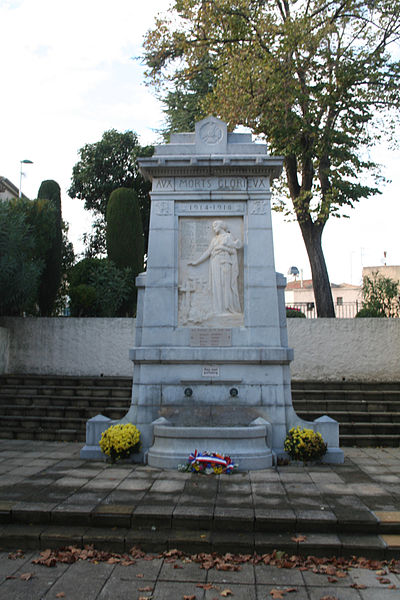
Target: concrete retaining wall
351, 349
325, 349
68, 346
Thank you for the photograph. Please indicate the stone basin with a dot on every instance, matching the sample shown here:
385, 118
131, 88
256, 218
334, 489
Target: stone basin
246, 446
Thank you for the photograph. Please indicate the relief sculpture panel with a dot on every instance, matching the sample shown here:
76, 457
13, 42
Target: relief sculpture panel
210, 272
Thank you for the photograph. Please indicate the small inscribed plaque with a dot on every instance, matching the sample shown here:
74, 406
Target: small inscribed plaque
210, 337
210, 371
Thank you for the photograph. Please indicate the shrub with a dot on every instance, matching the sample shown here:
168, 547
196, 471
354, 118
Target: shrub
370, 313
120, 441
380, 296
304, 444
294, 313
99, 289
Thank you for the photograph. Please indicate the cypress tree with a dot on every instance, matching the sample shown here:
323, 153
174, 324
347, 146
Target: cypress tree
51, 276
125, 242
124, 235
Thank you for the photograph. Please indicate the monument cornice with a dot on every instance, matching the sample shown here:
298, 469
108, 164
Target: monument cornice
209, 166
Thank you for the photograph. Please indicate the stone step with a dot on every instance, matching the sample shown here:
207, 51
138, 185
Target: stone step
64, 412
343, 385
370, 440
119, 540
352, 417
116, 528
65, 401
346, 405
75, 391
61, 380
50, 435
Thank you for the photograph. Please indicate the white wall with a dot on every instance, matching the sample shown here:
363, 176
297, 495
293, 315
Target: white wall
69, 346
325, 349
354, 349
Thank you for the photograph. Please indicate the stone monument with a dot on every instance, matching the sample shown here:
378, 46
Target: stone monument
211, 357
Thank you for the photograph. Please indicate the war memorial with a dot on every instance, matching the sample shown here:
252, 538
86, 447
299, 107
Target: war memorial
211, 356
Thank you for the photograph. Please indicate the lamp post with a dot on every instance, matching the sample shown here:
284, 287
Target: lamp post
23, 162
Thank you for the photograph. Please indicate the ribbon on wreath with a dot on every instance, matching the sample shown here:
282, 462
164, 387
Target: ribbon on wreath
211, 460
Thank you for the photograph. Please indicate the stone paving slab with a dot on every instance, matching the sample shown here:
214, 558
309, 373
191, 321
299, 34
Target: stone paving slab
158, 577
338, 508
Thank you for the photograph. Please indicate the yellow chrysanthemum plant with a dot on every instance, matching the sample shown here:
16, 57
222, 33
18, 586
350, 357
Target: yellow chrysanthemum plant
305, 445
120, 441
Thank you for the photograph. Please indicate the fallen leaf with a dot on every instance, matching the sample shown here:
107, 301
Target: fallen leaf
358, 586
277, 594
383, 580
11, 577
139, 575
329, 598
392, 587
289, 590
148, 588
332, 579
226, 593
176, 566
27, 576
299, 538
381, 572
193, 597
205, 586
341, 574
60, 595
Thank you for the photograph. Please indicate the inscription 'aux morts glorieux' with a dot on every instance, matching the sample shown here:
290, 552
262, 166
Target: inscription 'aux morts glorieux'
170, 184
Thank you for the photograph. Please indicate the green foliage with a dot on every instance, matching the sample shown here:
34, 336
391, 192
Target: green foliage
304, 444
32, 226
50, 280
313, 78
183, 104
294, 313
20, 269
98, 288
369, 313
125, 246
103, 167
380, 296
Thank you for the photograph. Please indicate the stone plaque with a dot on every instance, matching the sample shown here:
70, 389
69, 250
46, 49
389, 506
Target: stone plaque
210, 276
210, 371
210, 337
210, 184
216, 208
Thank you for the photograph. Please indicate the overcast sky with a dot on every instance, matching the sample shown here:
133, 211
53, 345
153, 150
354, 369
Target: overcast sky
68, 76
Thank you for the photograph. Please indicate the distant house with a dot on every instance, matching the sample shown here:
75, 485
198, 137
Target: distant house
346, 297
391, 271
8, 190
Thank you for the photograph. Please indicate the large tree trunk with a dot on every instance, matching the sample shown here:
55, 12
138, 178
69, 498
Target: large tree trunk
312, 233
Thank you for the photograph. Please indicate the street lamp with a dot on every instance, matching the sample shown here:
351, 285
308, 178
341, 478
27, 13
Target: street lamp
23, 162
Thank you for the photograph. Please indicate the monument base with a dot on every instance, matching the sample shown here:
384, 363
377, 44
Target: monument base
245, 445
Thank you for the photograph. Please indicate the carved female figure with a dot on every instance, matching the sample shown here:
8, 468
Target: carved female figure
223, 270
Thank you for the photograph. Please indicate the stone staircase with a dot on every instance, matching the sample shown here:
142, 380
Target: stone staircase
57, 407
369, 414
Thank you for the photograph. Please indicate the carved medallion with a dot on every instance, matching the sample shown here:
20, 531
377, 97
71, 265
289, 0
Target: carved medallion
211, 133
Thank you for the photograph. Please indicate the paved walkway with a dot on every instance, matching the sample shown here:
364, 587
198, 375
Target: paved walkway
170, 578
50, 498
